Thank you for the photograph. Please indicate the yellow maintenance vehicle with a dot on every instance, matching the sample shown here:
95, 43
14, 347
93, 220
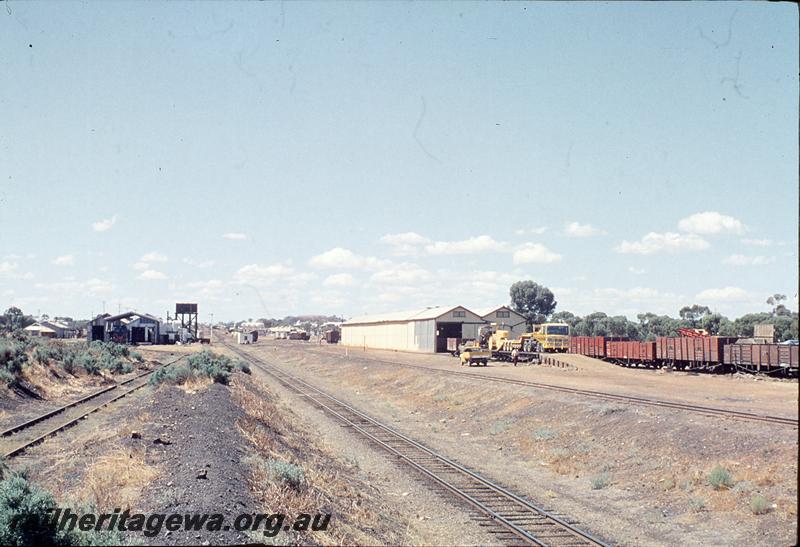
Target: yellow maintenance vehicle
501, 346
553, 337
472, 353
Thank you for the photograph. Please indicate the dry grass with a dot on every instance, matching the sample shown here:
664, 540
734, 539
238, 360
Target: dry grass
54, 387
116, 479
329, 486
195, 384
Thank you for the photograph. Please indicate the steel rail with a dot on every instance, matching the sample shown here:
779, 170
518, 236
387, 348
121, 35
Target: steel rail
631, 399
478, 491
72, 421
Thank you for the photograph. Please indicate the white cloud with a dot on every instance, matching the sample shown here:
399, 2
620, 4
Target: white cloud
744, 260
339, 280
402, 274
535, 253
153, 257
531, 231
10, 270
345, 259
209, 289
105, 224
151, 275
64, 260
198, 263
725, 294
668, 242
405, 244
636, 271
141, 266
576, 229
762, 242
472, 245
71, 288
711, 222
406, 238
237, 236
262, 275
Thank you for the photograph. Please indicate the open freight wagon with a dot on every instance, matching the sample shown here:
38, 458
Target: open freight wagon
696, 353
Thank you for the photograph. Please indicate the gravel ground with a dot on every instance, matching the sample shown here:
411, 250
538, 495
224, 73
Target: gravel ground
552, 446
195, 440
415, 514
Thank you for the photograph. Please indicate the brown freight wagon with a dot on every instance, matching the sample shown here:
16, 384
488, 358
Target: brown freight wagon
592, 346
762, 357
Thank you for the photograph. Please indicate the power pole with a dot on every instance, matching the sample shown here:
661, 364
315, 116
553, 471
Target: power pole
211, 338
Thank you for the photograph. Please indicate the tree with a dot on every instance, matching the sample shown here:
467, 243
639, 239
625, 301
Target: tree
693, 313
566, 317
13, 319
532, 300
775, 302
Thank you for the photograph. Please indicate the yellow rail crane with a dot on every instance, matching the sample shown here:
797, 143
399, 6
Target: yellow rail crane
501, 346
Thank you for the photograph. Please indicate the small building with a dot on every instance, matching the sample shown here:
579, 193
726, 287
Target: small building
505, 318
50, 329
126, 328
38, 329
425, 330
246, 337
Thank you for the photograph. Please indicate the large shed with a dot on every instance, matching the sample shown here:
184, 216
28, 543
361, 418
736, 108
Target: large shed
505, 318
425, 330
126, 328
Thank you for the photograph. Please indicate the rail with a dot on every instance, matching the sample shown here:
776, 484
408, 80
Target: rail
513, 518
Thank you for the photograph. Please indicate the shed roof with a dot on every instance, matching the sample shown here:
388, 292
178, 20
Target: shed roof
424, 314
483, 312
129, 314
38, 328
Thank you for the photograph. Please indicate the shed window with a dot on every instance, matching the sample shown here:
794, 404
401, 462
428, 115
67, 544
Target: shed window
459, 314
503, 314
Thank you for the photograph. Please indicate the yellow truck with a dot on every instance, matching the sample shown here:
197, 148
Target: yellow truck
553, 337
472, 354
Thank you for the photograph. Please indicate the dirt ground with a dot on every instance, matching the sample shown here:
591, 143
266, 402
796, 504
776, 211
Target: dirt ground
737, 392
634, 475
207, 448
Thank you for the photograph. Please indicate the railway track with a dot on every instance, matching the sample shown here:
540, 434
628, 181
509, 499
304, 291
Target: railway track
18, 438
628, 399
512, 518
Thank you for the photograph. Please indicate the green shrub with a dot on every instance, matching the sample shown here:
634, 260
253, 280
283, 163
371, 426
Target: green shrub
88, 362
500, 426
244, 367
544, 434
288, 473
7, 377
136, 356
12, 359
24, 518
68, 362
598, 482
278, 470
697, 504
204, 364
41, 355
720, 478
24, 513
759, 505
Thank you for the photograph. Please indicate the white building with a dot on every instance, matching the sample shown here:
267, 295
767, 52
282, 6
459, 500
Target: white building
50, 329
425, 330
505, 318
244, 337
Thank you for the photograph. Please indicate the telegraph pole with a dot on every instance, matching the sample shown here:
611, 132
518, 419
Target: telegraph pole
211, 339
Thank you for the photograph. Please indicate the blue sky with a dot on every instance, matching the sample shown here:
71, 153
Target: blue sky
286, 158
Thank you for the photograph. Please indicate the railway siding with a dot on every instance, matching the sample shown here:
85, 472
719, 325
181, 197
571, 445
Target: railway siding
515, 519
